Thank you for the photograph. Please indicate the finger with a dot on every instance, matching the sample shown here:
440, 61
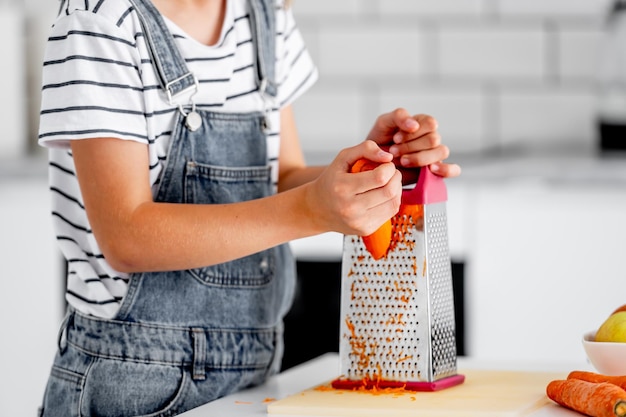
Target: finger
368, 150
383, 203
446, 170
374, 179
426, 124
389, 123
425, 157
428, 141
399, 118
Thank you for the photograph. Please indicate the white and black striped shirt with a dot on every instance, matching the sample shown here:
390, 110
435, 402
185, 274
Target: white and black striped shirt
98, 81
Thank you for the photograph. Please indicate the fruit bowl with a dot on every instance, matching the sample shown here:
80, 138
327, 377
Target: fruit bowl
609, 358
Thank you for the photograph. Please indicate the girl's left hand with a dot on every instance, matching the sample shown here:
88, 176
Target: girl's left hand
413, 141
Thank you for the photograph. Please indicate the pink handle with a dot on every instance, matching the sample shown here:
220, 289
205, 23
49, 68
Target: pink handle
430, 188
438, 385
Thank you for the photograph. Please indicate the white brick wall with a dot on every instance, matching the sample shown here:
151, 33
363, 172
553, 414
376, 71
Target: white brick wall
495, 73
552, 8
485, 51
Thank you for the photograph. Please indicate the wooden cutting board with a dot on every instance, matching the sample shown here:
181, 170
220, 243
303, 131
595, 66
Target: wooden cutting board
484, 393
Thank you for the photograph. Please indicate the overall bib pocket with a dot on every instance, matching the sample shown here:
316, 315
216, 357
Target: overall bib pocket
209, 184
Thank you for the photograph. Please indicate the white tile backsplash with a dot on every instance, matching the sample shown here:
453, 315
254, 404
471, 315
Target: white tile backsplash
327, 7
13, 105
459, 111
574, 44
433, 8
484, 68
539, 117
554, 8
493, 72
330, 118
371, 51
493, 51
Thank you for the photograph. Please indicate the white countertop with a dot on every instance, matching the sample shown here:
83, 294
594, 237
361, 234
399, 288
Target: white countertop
253, 402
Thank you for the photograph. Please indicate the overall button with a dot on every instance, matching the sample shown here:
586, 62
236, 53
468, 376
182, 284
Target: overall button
193, 121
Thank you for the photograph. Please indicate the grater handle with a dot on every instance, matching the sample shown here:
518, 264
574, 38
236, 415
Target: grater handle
429, 189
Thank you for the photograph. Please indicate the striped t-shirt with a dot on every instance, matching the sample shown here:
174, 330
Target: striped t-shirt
98, 81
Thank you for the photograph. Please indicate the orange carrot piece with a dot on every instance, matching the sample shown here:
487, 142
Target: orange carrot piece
377, 244
596, 399
619, 380
363, 165
413, 210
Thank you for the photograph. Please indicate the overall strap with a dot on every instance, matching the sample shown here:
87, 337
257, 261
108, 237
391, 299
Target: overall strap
174, 76
263, 26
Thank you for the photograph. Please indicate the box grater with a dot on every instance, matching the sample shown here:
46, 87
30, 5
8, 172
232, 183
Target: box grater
397, 313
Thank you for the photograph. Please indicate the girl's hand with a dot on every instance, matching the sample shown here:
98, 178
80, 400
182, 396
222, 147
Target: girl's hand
413, 141
356, 203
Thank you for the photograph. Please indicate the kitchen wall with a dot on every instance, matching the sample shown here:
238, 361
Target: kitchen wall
536, 215
24, 26
496, 73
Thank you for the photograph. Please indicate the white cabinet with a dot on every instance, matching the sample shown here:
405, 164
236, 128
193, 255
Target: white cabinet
545, 263
31, 294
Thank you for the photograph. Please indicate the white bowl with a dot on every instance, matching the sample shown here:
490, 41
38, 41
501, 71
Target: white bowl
609, 358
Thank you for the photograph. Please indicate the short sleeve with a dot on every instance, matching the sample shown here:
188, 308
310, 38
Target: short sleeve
91, 82
295, 69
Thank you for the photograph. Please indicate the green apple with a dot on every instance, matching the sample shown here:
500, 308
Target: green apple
613, 329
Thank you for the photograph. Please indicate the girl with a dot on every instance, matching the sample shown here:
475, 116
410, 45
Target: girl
177, 180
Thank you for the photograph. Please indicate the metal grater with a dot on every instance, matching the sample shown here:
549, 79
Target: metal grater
397, 313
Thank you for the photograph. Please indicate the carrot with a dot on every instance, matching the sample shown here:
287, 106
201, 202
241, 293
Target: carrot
363, 165
596, 399
619, 380
377, 244
415, 211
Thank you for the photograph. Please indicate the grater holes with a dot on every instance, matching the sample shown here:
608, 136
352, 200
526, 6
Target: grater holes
384, 337
441, 294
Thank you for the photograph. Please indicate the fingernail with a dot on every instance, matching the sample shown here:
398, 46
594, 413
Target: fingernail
411, 124
394, 150
397, 138
434, 168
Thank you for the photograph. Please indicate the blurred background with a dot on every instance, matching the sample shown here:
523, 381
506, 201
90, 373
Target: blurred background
531, 98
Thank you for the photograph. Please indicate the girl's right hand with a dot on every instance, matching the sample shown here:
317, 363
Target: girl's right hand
355, 203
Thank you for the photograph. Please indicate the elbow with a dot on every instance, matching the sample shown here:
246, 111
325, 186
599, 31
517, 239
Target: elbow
122, 265
122, 255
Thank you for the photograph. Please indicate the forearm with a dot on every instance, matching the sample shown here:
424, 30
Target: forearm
297, 177
164, 236
137, 234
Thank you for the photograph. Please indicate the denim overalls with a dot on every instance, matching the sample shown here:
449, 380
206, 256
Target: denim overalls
184, 338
